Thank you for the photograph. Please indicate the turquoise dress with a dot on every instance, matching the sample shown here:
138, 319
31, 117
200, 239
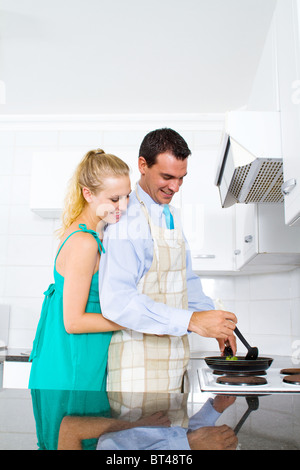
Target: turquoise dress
64, 361
51, 406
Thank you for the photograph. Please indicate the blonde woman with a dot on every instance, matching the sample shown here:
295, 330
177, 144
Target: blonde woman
72, 339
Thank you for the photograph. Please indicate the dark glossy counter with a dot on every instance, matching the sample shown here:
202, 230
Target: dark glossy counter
48, 419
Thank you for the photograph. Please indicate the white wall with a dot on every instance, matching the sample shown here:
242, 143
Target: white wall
267, 305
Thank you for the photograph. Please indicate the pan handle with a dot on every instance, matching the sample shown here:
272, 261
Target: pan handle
253, 404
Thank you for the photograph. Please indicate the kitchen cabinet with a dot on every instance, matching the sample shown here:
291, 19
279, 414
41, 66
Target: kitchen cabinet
50, 173
246, 234
276, 87
288, 57
16, 374
208, 228
263, 242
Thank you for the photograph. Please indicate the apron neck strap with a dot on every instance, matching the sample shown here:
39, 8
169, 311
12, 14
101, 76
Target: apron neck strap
143, 206
146, 210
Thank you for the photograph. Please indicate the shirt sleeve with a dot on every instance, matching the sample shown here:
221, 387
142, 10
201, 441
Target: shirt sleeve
206, 416
145, 438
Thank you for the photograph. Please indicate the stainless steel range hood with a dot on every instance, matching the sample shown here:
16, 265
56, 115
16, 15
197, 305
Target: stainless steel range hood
250, 168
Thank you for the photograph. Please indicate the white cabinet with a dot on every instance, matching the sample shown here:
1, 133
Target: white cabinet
51, 172
208, 228
263, 241
16, 374
246, 234
288, 51
276, 87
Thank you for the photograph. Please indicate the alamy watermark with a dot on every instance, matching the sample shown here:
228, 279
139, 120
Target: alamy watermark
133, 226
296, 352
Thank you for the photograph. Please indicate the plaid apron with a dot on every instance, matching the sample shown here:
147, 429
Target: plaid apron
134, 406
149, 363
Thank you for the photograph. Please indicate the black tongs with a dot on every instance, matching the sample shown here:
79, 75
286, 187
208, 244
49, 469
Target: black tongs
252, 351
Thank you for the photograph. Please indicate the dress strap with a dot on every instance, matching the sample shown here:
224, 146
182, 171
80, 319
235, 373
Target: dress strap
95, 235
83, 228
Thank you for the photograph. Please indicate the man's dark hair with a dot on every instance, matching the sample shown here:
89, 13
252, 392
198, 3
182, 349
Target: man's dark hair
160, 141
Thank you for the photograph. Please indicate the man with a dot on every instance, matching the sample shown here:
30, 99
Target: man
146, 280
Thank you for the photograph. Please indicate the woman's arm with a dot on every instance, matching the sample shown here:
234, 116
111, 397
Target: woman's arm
74, 429
81, 257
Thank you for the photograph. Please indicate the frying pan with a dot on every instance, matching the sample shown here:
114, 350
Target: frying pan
220, 364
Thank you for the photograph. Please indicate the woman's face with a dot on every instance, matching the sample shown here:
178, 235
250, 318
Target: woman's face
112, 200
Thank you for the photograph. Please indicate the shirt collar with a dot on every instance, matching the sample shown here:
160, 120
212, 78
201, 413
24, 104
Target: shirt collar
151, 205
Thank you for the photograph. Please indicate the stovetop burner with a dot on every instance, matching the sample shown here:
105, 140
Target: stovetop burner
241, 380
273, 382
292, 379
240, 374
291, 371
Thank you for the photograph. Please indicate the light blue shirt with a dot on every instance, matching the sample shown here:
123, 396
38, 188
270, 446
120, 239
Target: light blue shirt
128, 256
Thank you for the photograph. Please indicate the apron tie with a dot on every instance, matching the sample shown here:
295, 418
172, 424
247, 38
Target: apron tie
36, 343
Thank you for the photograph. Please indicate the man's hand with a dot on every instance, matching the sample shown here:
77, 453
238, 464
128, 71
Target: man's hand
213, 438
213, 324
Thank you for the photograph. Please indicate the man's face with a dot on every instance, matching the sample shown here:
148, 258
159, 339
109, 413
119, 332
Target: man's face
162, 180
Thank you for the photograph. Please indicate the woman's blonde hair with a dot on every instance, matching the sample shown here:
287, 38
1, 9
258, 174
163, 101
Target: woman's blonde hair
91, 172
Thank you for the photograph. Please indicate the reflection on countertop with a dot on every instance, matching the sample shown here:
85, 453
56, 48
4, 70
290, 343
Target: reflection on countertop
48, 419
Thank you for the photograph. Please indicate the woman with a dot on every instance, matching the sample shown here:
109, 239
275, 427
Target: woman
72, 339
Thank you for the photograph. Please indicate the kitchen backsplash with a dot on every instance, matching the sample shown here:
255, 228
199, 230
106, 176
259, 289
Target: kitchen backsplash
267, 306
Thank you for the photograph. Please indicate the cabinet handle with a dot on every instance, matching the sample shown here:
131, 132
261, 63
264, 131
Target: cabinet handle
204, 256
248, 239
237, 252
288, 186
